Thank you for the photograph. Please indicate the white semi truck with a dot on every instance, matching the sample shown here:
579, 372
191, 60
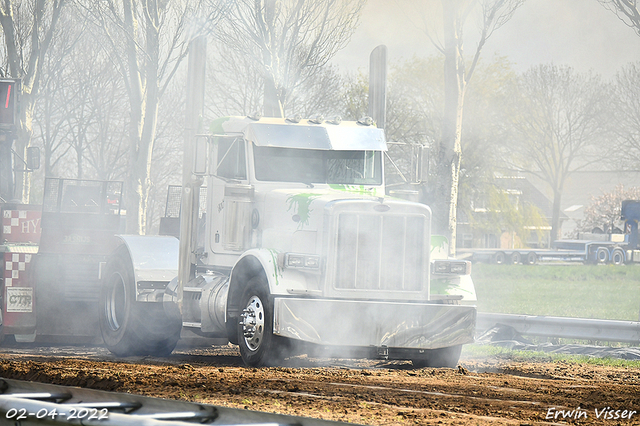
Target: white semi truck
296, 247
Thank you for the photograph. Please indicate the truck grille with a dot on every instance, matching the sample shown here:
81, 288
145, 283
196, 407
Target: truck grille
380, 252
81, 281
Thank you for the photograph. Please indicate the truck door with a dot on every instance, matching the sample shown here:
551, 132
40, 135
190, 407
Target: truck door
230, 197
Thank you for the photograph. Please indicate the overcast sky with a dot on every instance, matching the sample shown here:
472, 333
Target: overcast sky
578, 33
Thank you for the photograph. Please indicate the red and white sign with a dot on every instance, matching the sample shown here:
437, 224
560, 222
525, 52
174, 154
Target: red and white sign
19, 299
21, 226
15, 266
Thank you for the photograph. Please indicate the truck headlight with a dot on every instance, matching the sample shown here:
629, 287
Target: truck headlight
460, 268
293, 260
440, 267
451, 267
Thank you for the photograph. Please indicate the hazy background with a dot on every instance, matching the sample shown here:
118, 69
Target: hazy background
579, 33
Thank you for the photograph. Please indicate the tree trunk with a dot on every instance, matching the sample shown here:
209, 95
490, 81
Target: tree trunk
449, 152
555, 218
150, 118
272, 105
144, 114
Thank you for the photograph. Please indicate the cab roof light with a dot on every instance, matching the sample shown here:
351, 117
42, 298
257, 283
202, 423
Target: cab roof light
366, 121
294, 118
317, 119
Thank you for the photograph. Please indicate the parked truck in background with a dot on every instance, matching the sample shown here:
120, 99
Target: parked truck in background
591, 248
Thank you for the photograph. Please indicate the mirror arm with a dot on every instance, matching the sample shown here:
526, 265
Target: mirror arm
26, 169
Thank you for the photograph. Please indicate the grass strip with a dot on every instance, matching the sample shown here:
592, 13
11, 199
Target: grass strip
581, 291
488, 351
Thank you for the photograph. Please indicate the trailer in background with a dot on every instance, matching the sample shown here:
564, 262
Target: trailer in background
585, 251
590, 248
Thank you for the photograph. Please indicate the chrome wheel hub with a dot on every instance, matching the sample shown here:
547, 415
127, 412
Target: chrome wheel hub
252, 320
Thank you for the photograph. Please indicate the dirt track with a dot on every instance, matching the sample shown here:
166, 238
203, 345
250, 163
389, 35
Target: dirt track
480, 391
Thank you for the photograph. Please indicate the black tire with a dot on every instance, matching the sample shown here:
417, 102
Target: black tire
531, 258
516, 258
129, 327
602, 255
499, 258
437, 358
617, 257
258, 345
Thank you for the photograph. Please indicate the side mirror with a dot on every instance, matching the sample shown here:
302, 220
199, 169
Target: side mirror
200, 151
33, 158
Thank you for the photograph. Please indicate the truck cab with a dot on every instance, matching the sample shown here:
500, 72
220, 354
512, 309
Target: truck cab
301, 247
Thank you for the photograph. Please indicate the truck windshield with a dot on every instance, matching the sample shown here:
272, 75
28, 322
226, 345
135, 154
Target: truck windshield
317, 166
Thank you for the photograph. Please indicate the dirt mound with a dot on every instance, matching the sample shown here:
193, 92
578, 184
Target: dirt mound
486, 391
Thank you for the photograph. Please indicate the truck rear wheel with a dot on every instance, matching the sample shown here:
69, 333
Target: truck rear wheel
130, 327
258, 345
516, 258
531, 258
602, 255
499, 258
617, 257
442, 357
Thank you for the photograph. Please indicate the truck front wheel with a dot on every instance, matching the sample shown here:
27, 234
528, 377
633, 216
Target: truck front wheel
442, 357
130, 327
258, 346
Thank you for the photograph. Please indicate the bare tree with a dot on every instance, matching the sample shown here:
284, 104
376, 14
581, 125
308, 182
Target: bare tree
288, 40
626, 10
415, 104
457, 74
558, 122
49, 130
320, 94
28, 28
148, 42
235, 85
626, 119
79, 121
97, 119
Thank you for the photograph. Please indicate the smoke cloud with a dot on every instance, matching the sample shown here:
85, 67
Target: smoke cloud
581, 34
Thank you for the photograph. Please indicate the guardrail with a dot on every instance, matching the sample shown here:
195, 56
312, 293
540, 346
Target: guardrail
563, 327
29, 403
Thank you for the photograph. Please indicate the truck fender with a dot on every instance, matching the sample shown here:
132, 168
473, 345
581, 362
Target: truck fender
155, 262
281, 281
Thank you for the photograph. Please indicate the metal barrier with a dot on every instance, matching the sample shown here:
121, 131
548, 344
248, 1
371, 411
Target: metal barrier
29, 403
563, 327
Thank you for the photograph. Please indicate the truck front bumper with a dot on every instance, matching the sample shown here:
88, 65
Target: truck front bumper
374, 323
